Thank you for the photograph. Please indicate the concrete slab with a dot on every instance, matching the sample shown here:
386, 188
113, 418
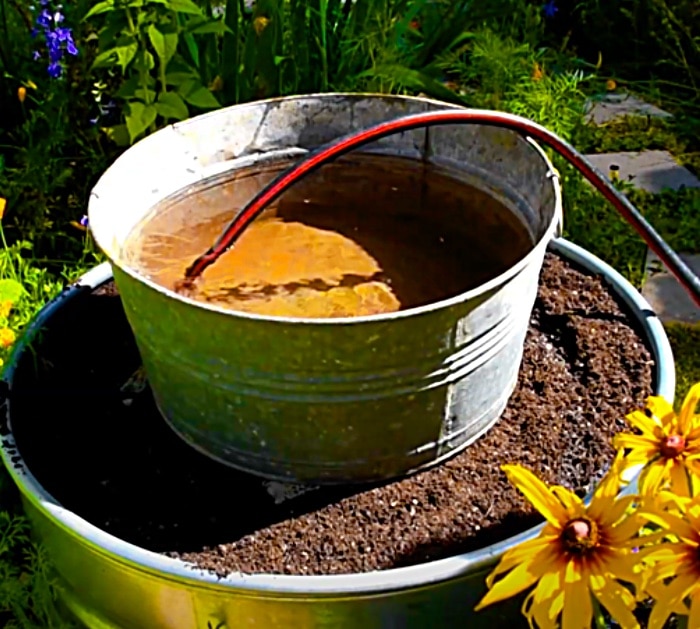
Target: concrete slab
613, 106
647, 170
666, 296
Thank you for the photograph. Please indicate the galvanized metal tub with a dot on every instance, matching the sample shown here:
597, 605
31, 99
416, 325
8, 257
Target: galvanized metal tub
327, 400
110, 584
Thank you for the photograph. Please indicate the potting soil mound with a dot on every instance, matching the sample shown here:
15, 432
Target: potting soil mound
88, 429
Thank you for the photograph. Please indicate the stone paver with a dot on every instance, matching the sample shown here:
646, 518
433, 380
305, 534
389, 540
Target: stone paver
652, 171
613, 106
647, 170
666, 296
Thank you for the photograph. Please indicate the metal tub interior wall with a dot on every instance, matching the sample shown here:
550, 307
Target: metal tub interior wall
113, 592
327, 400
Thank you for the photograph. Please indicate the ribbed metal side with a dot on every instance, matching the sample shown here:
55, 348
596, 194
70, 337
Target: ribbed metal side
332, 400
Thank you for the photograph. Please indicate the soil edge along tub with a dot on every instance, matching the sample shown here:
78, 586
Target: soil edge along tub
327, 400
111, 584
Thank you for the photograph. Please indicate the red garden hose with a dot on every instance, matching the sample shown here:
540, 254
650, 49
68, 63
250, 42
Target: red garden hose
526, 127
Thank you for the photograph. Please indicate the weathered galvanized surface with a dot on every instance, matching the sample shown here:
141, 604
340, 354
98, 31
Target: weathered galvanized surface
110, 584
328, 400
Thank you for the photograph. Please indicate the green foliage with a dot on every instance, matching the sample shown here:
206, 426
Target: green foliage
27, 590
143, 39
591, 222
685, 340
680, 136
643, 38
497, 72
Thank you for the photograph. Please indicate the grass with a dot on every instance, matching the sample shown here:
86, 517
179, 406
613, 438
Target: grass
58, 138
685, 341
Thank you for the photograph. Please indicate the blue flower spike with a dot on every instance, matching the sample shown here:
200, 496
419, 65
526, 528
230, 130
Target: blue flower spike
58, 39
550, 8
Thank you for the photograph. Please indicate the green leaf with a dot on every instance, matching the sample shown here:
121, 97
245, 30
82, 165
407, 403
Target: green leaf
129, 86
145, 94
202, 28
196, 94
139, 118
11, 290
100, 7
171, 106
178, 78
118, 134
165, 44
121, 56
144, 61
185, 6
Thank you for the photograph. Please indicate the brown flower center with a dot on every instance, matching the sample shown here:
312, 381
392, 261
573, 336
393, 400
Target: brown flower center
580, 535
672, 446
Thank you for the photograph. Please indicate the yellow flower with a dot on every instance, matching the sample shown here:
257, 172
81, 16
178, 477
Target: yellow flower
7, 337
537, 72
260, 24
5, 308
217, 84
668, 446
581, 552
610, 85
677, 559
21, 93
3, 205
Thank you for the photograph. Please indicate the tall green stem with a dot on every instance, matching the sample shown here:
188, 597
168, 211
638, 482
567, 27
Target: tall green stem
599, 621
230, 56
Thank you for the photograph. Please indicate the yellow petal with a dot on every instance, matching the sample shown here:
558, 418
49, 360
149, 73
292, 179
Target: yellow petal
538, 612
649, 445
618, 601
677, 591
678, 526
520, 578
623, 565
537, 493
648, 426
609, 487
3, 205
625, 530
654, 476
690, 404
678, 476
609, 514
661, 409
694, 617
578, 607
514, 556
570, 500
546, 601
658, 592
663, 608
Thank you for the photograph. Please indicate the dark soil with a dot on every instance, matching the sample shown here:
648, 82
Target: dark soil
103, 451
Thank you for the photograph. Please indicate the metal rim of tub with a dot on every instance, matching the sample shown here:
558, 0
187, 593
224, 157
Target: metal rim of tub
217, 169
358, 583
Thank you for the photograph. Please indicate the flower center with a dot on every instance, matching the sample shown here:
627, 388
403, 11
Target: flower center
580, 535
672, 446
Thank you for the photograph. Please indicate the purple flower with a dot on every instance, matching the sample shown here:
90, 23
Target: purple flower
57, 39
54, 69
550, 8
84, 221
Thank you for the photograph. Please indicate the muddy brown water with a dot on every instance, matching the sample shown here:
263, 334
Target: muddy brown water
365, 235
